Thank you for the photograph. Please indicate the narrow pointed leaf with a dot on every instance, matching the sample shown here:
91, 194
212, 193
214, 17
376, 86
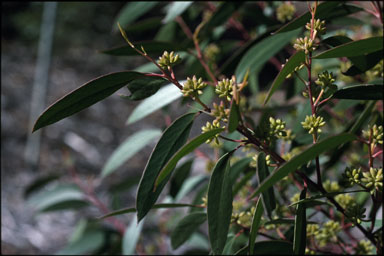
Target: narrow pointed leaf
144, 87
259, 54
163, 97
186, 227
186, 149
256, 221
303, 158
354, 48
360, 92
132, 11
219, 204
85, 96
228, 248
156, 206
331, 194
300, 232
171, 140
129, 148
234, 117
131, 236
268, 196
296, 60
180, 175
150, 47
239, 167
175, 9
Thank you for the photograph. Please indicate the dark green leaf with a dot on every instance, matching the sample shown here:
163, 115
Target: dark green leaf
299, 22
186, 149
239, 167
267, 196
360, 92
172, 139
228, 248
219, 204
256, 221
180, 175
189, 185
151, 47
362, 117
144, 87
39, 183
296, 60
163, 97
234, 117
259, 54
303, 158
276, 247
300, 233
85, 96
156, 206
175, 9
238, 186
364, 63
186, 227
353, 49
142, 26
133, 10
128, 148
131, 236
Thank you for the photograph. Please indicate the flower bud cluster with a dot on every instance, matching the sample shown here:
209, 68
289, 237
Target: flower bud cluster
328, 233
224, 88
352, 176
305, 44
355, 213
373, 179
318, 26
376, 134
331, 186
168, 60
364, 247
211, 126
325, 80
313, 124
211, 52
345, 200
378, 69
276, 128
285, 12
220, 112
295, 70
193, 86
313, 229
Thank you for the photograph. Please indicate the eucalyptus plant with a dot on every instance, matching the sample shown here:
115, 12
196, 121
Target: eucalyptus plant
297, 181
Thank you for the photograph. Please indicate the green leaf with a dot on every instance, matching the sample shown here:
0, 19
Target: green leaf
238, 167
268, 196
131, 236
219, 204
58, 198
259, 54
296, 60
133, 11
171, 140
300, 233
354, 48
234, 117
133, 209
163, 97
276, 247
303, 158
284, 221
360, 92
150, 47
189, 185
364, 63
129, 148
85, 96
180, 175
238, 186
39, 183
256, 221
322, 10
331, 194
175, 9
144, 87
228, 248
186, 149
362, 117
186, 227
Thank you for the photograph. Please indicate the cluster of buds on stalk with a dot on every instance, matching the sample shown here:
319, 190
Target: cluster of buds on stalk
193, 86
168, 60
313, 123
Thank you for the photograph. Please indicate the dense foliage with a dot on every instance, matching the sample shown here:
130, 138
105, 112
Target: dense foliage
294, 92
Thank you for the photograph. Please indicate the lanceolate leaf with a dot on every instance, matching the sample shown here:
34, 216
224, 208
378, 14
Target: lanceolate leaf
186, 149
156, 206
132, 11
268, 196
355, 48
128, 148
163, 97
172, 139
150, 47
296, 60
131, 236
85, 96
219, 204
300, 233
186, 227
360, 92
303, 158
180, 175
256, 221
234, 117
144, 87
175, 9
260, 53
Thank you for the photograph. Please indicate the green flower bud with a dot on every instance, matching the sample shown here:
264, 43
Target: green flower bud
313, 229
295, 198
285, 12
373, 179
376, 134
168, 60
378, 69
326, 80
211, 52
305, 44
220, 112
364, 247
210, 126
313, 124
352, 176
224, 88
328, 233
345, 200
331, 186
277, 128
355, 213
318, 26
193, 86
